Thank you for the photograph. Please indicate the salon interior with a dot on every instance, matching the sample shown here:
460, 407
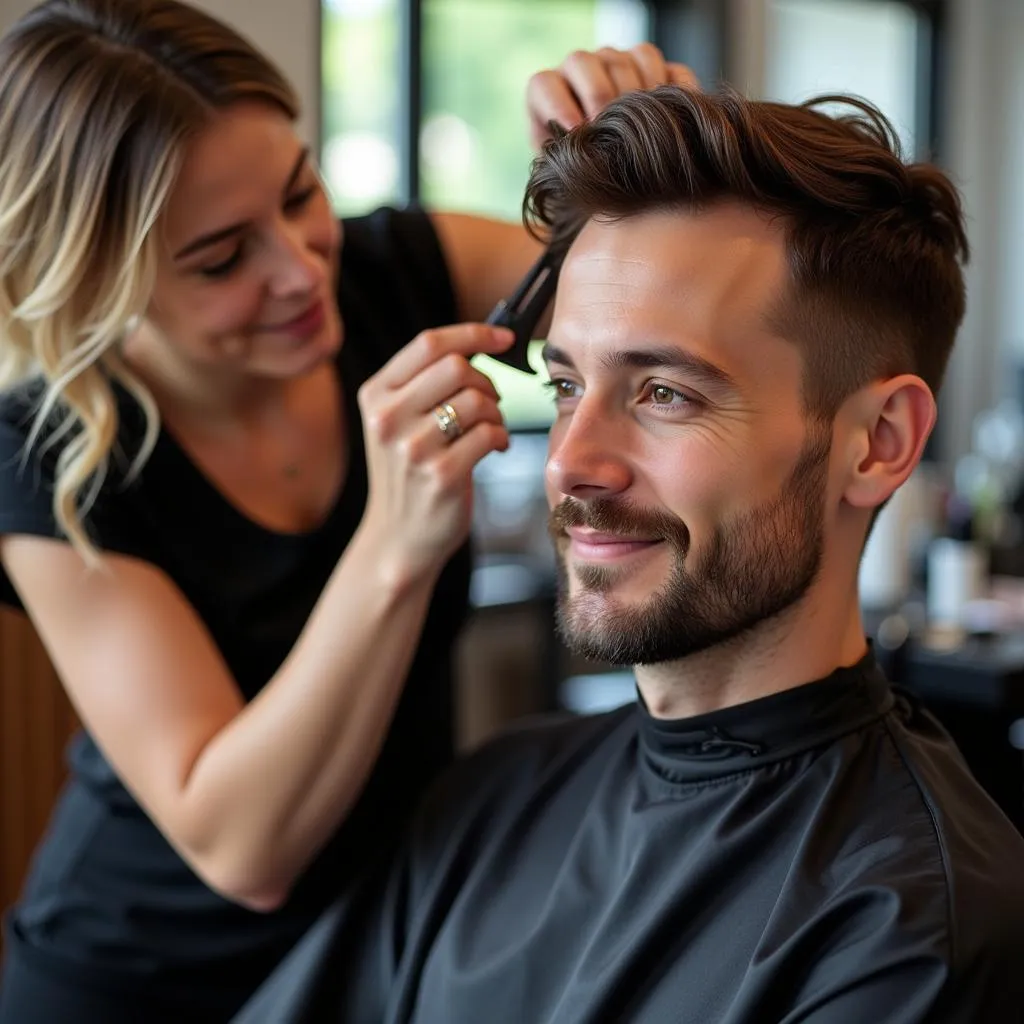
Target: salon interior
421, 100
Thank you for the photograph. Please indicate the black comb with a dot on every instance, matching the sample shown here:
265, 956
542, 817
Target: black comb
526, 305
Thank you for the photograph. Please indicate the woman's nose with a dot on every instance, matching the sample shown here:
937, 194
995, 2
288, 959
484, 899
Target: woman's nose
298, 267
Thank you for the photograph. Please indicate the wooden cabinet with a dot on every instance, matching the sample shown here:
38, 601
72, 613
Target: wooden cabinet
36, 721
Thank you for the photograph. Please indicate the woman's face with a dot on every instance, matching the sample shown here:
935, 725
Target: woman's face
246, 275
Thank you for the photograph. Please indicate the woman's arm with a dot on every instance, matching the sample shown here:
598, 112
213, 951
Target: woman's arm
248, 793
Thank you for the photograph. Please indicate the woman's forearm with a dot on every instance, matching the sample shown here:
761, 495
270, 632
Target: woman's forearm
272, 786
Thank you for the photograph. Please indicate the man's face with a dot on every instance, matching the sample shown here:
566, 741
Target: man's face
687, 489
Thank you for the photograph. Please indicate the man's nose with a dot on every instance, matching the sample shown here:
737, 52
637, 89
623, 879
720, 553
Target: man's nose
587, 454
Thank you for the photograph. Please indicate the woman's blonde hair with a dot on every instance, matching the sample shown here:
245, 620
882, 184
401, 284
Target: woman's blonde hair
97, 101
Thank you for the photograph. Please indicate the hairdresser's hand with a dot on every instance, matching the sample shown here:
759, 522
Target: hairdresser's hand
586, 82
420, 480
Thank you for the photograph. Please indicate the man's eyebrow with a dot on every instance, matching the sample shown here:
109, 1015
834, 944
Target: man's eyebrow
213, 237
553, 354
667, 357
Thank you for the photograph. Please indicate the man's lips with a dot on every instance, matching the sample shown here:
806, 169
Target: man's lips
594, 546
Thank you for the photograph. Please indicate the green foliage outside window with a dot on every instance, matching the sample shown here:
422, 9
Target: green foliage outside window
474, 147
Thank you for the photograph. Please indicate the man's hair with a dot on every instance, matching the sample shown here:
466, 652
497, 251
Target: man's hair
874, 245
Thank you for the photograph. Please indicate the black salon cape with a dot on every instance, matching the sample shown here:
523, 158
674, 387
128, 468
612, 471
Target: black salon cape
818, 856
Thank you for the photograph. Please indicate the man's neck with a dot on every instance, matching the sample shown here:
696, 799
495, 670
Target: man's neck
808, 642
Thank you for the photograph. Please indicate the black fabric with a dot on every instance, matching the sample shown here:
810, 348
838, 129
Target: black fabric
108, 904
819, 856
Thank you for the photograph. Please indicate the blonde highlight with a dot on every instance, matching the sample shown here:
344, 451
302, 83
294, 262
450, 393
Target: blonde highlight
98, 99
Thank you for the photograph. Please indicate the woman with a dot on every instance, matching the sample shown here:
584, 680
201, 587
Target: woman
238, 526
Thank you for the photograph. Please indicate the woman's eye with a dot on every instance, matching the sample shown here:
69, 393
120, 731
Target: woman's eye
222, 269
300, 199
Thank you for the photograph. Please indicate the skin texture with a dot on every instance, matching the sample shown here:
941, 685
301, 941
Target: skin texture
708, 531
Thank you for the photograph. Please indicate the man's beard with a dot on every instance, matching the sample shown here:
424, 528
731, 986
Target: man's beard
754, 568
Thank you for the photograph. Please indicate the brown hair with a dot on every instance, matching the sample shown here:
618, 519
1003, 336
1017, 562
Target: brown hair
875, 245
98, 99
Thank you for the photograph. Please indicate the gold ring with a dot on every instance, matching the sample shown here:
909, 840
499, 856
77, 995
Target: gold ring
448, 421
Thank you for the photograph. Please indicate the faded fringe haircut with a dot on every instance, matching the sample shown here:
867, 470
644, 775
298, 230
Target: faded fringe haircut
97, 101
875, 246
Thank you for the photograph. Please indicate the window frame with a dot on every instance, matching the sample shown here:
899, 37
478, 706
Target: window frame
667, 29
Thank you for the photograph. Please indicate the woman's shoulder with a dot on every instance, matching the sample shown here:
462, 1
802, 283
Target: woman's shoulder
34, 435
19, 404
26, 441
388, 233
36, 431
27, 463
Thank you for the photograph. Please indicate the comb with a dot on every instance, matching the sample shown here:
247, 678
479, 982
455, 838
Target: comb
524, 308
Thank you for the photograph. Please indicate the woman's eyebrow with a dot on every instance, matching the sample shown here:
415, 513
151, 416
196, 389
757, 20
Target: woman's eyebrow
213, 237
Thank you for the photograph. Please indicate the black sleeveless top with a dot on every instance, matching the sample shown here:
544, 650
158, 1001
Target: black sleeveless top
108, 902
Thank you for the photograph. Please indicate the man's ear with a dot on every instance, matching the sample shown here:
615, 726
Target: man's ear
888, 423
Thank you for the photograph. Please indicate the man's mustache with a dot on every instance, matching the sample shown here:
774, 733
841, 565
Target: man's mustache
613, 515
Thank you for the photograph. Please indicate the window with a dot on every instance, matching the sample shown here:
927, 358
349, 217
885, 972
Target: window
478, 56
474, 145
475, 58
361, 103
471, 150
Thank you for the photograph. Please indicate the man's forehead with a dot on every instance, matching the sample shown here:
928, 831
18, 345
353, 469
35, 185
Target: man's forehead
713, 277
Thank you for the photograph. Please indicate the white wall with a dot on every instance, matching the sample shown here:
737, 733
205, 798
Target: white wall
286, 30
12, 9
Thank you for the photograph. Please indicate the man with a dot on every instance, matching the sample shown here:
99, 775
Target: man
748, 335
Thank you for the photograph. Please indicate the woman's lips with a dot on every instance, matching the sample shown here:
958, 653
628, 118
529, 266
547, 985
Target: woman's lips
593, 546
305, 324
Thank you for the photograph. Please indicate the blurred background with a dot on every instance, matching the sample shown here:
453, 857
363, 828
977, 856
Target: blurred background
422, 101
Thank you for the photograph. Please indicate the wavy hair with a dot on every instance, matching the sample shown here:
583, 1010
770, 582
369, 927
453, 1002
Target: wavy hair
98, 99
875, 245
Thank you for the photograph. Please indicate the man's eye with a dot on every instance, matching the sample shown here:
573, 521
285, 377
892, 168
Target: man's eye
562, 388
663, 395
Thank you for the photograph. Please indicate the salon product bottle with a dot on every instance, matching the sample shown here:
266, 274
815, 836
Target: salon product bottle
957, 567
